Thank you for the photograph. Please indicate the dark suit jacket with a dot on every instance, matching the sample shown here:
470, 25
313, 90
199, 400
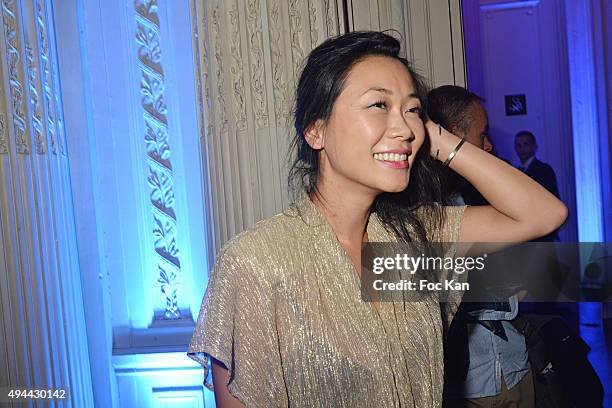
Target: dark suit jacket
545, 176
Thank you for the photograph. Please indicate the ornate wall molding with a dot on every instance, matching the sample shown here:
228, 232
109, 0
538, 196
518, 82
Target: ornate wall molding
3, 135
236, 69
312, 19
14, 54
33, 95
295, 32
279, 84
256, 62
160, 177
36, 123
247, 69
47, 80
202, 64
219, 76
37, 234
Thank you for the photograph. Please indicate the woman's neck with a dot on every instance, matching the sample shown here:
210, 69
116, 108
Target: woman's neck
347, 214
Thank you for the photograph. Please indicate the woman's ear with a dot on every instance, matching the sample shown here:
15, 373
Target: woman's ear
315, 135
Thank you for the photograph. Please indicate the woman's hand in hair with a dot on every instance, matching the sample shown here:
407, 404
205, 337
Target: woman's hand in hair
520, 210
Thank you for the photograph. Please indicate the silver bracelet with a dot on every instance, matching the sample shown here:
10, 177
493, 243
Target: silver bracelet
452, 155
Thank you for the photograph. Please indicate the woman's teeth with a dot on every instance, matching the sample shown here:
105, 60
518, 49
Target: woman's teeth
390, 157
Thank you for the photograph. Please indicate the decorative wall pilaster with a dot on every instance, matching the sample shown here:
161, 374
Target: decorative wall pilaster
160, 174
43, 336
4, 131
130, 106
13, 52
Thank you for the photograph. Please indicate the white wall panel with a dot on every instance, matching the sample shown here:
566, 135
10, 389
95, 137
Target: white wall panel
168, 380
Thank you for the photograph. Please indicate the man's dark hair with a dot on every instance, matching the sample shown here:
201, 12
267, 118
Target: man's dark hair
526, 133
449, 106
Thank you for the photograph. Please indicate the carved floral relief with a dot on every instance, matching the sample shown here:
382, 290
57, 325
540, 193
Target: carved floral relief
156, 138
15, 74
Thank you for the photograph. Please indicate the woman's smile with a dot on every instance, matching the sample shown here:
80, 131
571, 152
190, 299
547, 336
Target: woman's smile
396, 159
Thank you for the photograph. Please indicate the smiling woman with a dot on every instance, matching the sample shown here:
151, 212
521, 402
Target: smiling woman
283, 322
377, 114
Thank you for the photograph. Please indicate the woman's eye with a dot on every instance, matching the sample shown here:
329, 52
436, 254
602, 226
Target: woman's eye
416, 109
379, 104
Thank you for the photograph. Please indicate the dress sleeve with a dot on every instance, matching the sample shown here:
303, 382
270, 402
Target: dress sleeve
450, 230
450, 234
236, 327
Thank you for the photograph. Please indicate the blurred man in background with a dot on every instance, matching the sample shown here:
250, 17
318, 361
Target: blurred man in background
526, 147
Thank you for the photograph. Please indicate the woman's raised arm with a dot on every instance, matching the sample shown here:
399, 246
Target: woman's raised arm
520, 210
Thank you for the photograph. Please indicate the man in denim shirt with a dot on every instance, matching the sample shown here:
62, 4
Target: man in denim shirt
498, 374
486, 361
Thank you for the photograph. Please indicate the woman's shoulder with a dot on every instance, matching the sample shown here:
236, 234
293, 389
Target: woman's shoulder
267, 244
274, 230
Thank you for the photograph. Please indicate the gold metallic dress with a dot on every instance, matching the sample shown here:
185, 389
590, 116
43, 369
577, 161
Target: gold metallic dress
283, 311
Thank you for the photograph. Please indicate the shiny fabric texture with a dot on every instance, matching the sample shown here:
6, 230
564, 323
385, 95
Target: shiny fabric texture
283, 312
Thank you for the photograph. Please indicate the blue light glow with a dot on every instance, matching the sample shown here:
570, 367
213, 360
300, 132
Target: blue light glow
161, 379
585, 124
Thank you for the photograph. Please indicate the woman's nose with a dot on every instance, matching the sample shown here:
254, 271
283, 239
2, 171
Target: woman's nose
401, 129
405, 133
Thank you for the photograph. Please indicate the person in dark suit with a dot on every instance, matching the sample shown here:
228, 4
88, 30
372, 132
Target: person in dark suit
572, 381
525, 146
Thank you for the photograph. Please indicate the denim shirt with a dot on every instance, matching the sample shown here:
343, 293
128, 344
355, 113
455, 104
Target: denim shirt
492, 357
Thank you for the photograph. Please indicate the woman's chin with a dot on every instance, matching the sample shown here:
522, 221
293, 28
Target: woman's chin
396, 187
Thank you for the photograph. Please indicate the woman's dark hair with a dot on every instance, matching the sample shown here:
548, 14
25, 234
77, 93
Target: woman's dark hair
321, 82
